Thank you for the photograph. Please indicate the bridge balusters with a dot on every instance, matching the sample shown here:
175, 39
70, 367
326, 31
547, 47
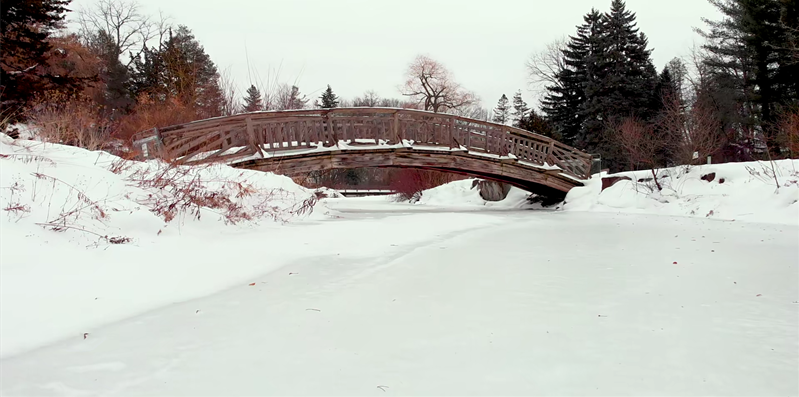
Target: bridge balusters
242, 135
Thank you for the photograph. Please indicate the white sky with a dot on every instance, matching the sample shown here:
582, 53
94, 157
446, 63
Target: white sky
358, 45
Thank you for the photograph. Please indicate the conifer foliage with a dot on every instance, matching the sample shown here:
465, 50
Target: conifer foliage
328, 99
502, 111
520, 109
608, 75
24, 32
253, 101
754, 56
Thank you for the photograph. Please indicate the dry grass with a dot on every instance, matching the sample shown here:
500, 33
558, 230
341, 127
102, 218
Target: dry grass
71, 122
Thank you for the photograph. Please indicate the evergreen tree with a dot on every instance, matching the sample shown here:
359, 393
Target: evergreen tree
147, 75
253, 101
25, 28
622, 78
667, 89
502, 111
608, 75
180, 69
752, 48
563, 102
114, 75
296, 100
520, 109
329, 99
536, 123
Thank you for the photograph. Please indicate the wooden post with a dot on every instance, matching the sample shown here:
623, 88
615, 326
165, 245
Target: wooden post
396, 127
551, 153
251, 136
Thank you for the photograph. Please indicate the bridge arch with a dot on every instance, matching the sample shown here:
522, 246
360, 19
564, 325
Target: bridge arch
300, 141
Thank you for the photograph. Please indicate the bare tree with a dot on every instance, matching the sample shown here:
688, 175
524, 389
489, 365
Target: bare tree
229, 94
543, 66
640, 144
431, 85
789, 133
123, 23
690, 134
474, 111
369, 99
289, 98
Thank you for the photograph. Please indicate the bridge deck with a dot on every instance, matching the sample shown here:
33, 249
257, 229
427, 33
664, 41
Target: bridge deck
306, 140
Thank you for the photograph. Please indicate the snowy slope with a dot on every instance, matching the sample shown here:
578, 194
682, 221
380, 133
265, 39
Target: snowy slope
58, 284
625, 292
738, 191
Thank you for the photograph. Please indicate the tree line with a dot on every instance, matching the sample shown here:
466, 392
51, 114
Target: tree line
734, 98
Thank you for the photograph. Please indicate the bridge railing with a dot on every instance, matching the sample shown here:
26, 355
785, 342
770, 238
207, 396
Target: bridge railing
272, 132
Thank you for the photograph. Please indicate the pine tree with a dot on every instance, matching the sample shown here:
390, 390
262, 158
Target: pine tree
621, 82
753, 47
520, 109
296, 100
253, 101
622, 78
114, 75
26, 26
667, 89
502, 111
179, 69
534, 122
563, 101
329, 99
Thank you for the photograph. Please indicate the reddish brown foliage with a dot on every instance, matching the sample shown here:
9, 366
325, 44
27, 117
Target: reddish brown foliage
789, 133
148, 114
409, 183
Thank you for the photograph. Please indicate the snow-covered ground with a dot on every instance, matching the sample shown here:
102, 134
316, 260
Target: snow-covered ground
616, 292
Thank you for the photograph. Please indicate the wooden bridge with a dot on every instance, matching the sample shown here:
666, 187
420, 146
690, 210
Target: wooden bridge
300, 141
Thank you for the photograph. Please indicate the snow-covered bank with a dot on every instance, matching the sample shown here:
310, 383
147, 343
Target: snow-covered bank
62, 284
734, 191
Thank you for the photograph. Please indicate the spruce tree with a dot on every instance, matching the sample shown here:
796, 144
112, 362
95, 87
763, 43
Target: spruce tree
667, 89
538, 124
502, 111
563, 102
253, 101
329, 99
753, 49
520, 109
114, 75
296, 100
25, 28
622, 78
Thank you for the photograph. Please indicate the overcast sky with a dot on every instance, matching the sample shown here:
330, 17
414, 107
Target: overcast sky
358, 45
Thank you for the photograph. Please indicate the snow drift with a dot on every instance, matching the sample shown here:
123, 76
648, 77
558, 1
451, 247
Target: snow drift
763, 192
89, 239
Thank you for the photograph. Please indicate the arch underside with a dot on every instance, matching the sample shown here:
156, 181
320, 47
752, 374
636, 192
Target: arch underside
551, 183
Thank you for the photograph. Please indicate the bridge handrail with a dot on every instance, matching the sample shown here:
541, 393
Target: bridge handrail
271, 131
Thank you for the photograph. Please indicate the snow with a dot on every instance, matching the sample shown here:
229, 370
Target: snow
620, 292
739, 191
502, 310
461, 194
48, 277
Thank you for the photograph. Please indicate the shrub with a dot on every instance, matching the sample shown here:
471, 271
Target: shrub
75, 122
